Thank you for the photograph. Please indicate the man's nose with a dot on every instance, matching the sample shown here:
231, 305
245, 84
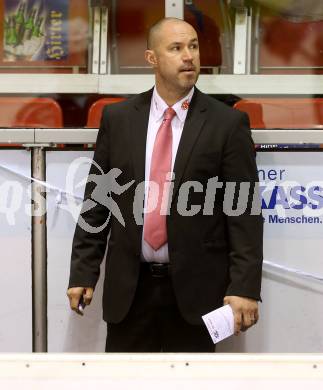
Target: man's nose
187, 55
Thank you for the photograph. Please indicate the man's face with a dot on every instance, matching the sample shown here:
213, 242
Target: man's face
176, 56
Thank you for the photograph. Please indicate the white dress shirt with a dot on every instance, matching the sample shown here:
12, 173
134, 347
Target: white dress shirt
157, 109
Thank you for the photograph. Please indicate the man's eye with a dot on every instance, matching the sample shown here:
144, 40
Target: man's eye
175, 48
194, 46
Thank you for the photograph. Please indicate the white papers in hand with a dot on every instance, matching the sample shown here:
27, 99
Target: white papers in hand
220, 323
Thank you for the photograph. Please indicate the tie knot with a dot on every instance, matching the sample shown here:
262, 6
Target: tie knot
169, 113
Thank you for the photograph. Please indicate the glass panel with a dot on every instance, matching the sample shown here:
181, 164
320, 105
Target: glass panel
51, 36
286, 36
130, 22
211, 20
290, 37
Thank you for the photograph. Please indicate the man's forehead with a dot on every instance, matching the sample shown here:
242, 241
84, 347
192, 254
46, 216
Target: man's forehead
177, 31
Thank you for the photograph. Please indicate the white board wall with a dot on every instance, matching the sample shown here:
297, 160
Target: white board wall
15, 254
290, 315
67, 332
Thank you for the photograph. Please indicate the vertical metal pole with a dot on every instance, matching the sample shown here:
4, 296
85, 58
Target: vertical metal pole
113, 52
174, 8
96, 40
39, 252
249, 41
256, 41
105, 60
240, 41
90, 42
227, 38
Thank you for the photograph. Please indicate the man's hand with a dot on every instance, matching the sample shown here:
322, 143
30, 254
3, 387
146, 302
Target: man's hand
245, 312
76, 293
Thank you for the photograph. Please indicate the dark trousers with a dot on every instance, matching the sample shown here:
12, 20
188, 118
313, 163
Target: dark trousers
154, 323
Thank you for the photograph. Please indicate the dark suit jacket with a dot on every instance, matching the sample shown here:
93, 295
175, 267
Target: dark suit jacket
211, 255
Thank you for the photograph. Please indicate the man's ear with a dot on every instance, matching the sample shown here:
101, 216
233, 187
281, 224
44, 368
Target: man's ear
151, 58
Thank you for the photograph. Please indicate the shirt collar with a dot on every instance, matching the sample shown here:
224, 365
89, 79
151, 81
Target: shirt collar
159, 105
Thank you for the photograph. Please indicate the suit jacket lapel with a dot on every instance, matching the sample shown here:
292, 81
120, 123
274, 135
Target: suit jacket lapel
192, 128
138, 134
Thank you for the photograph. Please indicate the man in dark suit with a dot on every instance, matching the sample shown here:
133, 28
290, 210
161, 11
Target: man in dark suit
192, 253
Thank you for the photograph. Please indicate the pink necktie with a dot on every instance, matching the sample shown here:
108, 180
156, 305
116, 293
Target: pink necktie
155, 233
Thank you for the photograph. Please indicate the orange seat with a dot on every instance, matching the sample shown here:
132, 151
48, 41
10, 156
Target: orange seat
30, 112
283, 113
95, 111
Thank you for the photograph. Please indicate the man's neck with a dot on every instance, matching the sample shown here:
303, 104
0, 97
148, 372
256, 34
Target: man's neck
170, 97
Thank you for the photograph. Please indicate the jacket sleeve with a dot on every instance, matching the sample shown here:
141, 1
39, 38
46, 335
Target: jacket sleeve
90, 239
244, 219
